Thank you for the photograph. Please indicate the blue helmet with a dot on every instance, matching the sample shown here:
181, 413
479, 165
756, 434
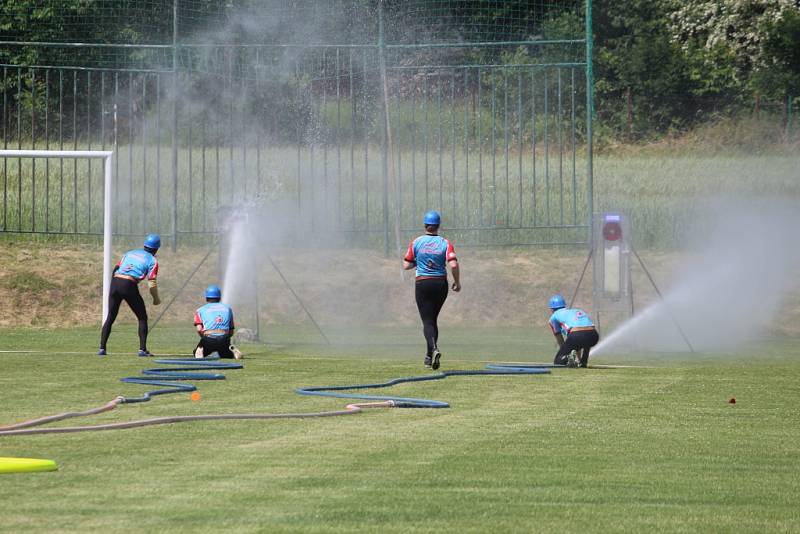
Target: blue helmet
153, 241
213, 292
557, 302
432, 217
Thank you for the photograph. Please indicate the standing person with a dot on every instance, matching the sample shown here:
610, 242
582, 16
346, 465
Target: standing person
135, 266
574, 332
429, 254
214, 323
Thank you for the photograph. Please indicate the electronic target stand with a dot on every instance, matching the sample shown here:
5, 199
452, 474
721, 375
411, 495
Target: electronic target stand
612, 291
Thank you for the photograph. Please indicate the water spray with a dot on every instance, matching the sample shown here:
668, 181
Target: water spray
729, 289
666, 306
612, 288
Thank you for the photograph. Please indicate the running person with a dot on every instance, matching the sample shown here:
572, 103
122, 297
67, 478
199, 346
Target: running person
574, 332
214, 324
429, 254
135, 266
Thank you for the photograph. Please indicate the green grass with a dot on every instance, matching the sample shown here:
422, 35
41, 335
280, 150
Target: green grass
645, 448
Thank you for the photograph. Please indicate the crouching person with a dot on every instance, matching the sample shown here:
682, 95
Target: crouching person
574, 331
214, 323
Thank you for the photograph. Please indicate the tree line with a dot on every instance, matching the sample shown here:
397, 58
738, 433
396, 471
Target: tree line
659, 65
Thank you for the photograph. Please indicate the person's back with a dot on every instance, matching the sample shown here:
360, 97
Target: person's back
138, 264
216, 318
431, 253
565, 320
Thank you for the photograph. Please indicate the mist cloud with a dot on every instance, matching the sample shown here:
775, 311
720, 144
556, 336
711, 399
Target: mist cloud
743, 256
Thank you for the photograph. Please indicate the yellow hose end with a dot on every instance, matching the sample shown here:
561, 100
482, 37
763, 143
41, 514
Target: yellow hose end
26, 465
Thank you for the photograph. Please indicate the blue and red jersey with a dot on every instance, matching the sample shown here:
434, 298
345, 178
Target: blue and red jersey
138, 264
431, 253
216, 319
564, 320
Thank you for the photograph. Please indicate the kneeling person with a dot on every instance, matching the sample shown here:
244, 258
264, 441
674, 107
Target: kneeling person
574, 332
214, 323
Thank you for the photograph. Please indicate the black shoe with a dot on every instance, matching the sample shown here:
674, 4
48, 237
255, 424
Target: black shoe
145, 353
436, 356
428, 361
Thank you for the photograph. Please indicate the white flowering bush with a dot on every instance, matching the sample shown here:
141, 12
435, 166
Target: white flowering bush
733, 31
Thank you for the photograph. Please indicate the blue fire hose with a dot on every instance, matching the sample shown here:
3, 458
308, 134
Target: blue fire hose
187, 372
406, 402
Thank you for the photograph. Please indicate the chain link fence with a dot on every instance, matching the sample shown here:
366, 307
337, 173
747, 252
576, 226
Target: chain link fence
362, 114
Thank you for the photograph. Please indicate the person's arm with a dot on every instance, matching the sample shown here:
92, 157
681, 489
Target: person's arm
456, 277
154, 292
556, 328
409, 260
453, 262
151, 281
198, 324
233, 327
559, 339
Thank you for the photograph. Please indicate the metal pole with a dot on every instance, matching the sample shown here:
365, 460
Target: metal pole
174, 125
589, 116
33, 146
107, 233
385, 136
257, 317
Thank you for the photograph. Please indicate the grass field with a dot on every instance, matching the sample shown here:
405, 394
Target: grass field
652, 446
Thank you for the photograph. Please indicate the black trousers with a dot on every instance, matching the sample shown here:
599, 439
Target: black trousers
126, 290
430, 294
220, 345
582, 342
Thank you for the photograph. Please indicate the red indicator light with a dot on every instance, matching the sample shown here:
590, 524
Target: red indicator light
612, 231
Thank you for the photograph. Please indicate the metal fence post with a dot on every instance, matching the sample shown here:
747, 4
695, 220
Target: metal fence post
589, 118
385, 121
174, 125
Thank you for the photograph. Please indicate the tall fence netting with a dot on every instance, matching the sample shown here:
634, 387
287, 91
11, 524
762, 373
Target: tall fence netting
476, 107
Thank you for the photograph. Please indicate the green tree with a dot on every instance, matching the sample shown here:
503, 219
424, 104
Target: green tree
643, 78
779, 77
739, 39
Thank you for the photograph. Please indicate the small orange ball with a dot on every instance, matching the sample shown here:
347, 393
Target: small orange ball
195, 396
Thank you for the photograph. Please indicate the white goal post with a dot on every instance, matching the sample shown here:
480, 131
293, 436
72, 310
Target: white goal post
106, 156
